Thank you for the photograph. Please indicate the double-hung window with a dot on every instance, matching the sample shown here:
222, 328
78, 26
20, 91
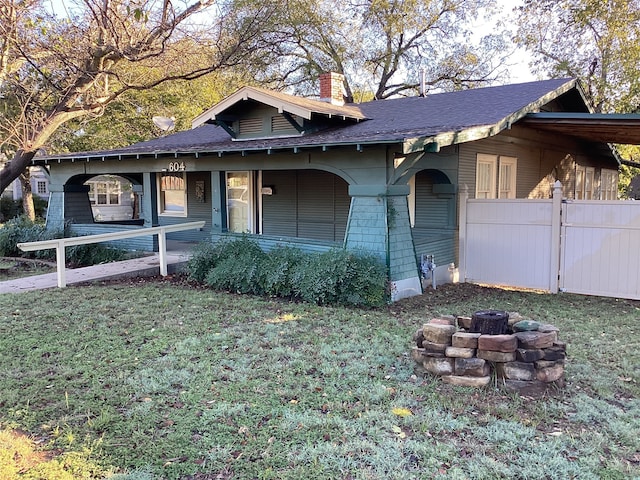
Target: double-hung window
495, 176
584, 183
609, 185
104, 192
173, 194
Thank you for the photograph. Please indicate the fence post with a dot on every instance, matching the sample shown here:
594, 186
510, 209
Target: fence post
60, 261
462, 233
162, 250
556, 218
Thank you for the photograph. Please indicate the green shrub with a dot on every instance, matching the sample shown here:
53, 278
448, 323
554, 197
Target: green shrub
92, 254
207, 255
334, 277
203, 258
341, 277
10, 208
365, 282
278, 267
238, 267
21, 229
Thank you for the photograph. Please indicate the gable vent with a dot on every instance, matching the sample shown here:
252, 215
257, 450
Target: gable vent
248, 126
280, 124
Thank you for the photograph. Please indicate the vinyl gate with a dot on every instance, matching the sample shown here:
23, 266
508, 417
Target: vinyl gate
587, 247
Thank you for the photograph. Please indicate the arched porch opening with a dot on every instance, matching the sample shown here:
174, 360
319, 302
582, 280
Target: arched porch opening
103, 199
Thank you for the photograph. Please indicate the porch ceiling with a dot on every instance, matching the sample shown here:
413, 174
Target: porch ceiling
596, 127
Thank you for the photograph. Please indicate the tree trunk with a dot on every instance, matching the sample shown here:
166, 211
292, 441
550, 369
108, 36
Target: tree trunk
14, 168
27, 195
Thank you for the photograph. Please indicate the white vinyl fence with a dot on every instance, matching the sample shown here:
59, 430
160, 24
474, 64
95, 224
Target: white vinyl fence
589, 247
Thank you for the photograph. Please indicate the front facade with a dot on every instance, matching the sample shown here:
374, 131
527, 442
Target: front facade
382, 176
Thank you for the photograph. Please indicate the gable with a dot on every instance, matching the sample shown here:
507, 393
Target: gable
280, 114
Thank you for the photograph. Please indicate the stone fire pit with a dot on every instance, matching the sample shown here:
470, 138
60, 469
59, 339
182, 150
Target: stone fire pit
524, 356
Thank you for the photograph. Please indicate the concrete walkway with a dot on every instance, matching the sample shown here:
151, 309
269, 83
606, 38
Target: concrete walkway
177, 256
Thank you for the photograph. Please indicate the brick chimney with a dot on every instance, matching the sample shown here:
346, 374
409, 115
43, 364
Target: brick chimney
332, 88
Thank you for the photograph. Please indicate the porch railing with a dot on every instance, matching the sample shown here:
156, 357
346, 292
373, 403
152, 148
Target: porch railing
60, 244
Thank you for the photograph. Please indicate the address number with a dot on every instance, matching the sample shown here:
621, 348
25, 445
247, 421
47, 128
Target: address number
176, 167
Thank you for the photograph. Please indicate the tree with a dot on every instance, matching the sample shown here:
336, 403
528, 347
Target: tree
128, 119
57, 70
381, 46
597, 41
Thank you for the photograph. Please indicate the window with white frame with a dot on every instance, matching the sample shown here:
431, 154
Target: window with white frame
104, 192
584, 183
495, 176
172, 196
609, 185
41, 187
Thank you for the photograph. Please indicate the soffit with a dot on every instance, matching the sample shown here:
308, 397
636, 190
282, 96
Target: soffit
594, 127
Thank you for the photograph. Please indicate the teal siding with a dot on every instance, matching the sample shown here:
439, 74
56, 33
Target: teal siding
367, 228
402, 262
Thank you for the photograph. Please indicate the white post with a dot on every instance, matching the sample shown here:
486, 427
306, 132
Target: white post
462, 233
162, 250
556, 214
60, 260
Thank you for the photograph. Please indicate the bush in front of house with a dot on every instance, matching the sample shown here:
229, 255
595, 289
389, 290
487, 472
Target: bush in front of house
22, 230
10, 208
339, 277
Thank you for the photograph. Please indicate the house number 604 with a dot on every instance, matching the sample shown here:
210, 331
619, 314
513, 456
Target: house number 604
176, 166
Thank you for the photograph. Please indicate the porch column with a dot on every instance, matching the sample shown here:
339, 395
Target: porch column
379, 223
148, 200
55, 208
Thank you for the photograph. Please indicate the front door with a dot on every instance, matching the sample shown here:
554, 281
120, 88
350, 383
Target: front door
240, 195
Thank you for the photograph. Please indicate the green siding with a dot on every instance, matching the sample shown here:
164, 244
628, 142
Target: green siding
435, 219
305, 204
196, 211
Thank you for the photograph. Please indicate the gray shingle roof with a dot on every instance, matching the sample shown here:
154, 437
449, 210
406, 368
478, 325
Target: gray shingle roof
437, 117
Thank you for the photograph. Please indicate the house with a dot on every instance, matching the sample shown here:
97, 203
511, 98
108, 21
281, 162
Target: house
381, 176
39, 179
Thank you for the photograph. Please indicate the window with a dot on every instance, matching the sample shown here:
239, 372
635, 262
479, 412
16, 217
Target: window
495, 176
507, 178
173, 194
104, 193
609, 185
486, 176
41, 187
584, 183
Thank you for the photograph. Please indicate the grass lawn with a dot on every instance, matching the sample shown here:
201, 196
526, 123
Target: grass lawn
162, 380
11, 268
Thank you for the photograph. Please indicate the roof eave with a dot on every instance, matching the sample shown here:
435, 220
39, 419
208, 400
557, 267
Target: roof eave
94, 156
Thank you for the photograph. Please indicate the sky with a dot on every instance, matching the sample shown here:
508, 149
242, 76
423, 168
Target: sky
518, 69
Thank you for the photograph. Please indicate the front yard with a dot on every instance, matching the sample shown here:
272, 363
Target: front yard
163, 380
